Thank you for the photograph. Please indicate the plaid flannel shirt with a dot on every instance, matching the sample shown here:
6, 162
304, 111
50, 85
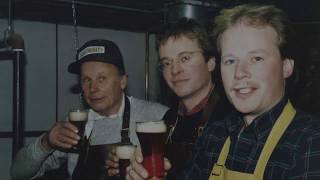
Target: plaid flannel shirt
296, 156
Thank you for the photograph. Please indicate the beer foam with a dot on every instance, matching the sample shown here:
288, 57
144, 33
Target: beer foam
152, 127
78, 116
125, 152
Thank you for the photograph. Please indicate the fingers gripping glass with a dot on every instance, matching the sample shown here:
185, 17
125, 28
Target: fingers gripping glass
186, 58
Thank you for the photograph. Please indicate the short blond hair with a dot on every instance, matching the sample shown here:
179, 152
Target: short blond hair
256, 16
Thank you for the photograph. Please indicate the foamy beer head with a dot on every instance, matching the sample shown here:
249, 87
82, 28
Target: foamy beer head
151, 127
78, 115
79, 119
125, 151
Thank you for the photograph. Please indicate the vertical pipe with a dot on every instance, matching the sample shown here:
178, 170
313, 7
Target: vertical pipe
18, 100
9, 17
147, 76
57, 73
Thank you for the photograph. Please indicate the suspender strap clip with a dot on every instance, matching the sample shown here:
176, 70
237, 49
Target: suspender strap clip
217, 169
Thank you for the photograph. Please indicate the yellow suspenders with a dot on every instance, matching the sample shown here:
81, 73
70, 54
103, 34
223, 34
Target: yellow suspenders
220, 172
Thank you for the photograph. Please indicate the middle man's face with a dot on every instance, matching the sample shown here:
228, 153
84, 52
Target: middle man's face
192, 78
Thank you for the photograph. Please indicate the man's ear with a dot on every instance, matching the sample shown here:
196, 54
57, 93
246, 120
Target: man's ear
124, 81
288, 66
211, 64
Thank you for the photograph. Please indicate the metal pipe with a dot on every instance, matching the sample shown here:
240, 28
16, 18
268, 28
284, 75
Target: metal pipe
147, 69
109, 6
16, 44
18, 100
9, 16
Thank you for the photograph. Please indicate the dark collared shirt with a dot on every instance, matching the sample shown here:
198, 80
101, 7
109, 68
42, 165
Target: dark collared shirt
297, 155
184, 129
182, 110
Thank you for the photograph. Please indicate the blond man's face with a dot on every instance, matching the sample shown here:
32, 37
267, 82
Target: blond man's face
252, 70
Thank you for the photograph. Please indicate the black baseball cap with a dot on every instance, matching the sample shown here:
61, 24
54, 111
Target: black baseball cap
98, 50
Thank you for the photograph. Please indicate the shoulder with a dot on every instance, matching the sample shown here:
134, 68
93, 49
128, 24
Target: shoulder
148, 108
147, 104
306, 122
305, 129
170, 116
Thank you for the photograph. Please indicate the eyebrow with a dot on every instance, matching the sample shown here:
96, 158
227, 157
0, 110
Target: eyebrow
163, 58
227, 55
258, 51
179, 54
250, 52
189, 51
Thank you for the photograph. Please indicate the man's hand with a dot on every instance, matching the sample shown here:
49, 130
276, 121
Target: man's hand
136, 171
61, 135
112, 163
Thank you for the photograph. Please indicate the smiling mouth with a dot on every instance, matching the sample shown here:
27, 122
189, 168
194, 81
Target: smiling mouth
96, 99
244, 92
177, 82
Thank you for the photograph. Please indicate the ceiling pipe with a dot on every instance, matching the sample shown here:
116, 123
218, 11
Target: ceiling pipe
101, 5
201, 11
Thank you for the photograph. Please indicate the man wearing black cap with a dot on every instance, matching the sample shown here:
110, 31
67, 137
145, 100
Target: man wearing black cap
103, 81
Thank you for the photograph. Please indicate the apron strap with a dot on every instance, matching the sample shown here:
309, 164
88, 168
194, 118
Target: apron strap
219, 165
276, 133
126, 122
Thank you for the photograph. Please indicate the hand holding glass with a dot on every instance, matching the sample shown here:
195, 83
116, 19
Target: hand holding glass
124, 153
78, 118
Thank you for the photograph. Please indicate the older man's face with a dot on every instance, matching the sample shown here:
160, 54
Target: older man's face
252, 70
102, 86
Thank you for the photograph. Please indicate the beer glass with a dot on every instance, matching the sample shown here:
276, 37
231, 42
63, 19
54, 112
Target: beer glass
124, 153
78, 117
152, 139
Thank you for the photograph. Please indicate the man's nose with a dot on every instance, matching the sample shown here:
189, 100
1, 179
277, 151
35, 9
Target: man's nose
176, 67
93, 86
242, 70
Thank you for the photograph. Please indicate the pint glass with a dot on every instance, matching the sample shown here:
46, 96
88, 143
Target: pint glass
124, 153
78, 118
152, 138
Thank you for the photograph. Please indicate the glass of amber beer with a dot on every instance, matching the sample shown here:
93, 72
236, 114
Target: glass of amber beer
152, 139
78, 117
124, 153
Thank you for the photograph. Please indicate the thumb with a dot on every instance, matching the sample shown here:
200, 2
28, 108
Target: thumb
138, 154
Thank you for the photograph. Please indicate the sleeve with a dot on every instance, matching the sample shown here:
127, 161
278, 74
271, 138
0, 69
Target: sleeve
33, 161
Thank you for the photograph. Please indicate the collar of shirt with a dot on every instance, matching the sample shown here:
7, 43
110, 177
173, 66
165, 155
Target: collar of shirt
261, 125
182, 110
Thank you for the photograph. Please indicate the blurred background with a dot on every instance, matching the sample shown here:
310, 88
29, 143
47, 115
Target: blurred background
39, 38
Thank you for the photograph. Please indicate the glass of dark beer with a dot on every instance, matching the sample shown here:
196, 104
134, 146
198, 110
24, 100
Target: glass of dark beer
124, 153
152, 139
78, 117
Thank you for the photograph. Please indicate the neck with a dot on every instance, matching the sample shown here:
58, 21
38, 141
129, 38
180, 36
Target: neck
191, 101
